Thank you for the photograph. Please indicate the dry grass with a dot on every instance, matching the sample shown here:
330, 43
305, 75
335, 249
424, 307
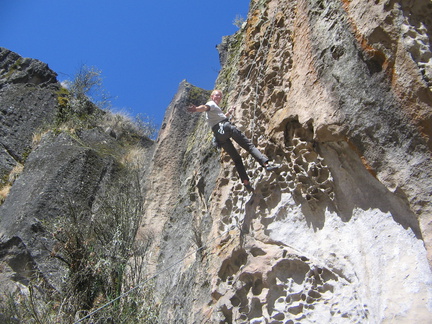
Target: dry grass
16, 171
133, 157
120, 124
117, 124
13, 175
4, 192
37, 137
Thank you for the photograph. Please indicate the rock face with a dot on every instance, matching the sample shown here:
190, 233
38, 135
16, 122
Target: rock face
338, 93
66, 172
60, 175
27, 101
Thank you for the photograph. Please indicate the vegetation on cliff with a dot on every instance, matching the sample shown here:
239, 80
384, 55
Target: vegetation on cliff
93, 239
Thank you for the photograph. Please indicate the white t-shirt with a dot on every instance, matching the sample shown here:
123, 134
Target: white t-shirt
215, 114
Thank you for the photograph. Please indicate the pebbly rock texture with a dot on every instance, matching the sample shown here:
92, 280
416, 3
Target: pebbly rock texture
338, 93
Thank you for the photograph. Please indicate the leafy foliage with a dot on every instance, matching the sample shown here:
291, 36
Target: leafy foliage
238, 21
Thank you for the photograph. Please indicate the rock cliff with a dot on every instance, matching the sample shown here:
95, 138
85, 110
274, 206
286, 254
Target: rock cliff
339, 93
23, 83
55, 179
336, 92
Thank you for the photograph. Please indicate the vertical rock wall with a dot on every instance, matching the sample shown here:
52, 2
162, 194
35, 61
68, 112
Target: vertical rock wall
339, 93
51, 178
24, 83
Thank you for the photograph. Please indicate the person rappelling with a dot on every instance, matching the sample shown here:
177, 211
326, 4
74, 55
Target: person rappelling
223, 131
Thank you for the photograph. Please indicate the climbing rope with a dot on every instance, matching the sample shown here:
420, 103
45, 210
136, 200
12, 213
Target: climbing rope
259, 74
152, 277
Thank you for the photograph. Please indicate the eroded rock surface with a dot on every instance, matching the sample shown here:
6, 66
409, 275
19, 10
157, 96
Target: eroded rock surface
336, 92
339, 94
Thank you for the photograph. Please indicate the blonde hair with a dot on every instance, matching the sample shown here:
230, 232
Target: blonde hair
216, 90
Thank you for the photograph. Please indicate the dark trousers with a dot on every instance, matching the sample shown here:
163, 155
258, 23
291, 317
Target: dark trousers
223, 132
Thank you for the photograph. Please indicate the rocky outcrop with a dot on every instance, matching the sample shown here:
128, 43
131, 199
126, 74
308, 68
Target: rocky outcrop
61, 176
65, 173
15, 69
28, 100
338, 93
176, 175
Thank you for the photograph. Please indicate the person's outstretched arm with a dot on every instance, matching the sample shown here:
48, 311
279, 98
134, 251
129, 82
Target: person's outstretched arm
201, 108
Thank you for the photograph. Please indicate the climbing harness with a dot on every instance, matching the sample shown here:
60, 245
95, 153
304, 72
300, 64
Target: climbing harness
221, 128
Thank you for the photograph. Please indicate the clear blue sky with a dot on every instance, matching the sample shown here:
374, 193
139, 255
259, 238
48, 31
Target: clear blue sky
143, 48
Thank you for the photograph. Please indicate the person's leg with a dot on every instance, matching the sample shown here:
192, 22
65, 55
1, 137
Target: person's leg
245, 143
235, 156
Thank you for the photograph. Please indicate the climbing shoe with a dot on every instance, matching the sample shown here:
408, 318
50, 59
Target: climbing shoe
271, 167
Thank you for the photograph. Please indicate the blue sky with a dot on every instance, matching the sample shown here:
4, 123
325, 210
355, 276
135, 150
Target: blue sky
143, 48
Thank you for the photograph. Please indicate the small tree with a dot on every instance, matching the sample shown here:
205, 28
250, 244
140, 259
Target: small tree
80, 99
238, 21
83, 103
146, 125
88, 84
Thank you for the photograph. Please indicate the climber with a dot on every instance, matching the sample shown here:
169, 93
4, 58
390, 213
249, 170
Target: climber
223, 131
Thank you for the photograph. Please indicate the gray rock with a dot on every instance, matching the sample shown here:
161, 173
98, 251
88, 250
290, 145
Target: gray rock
223, 48
28, 101
61, 176
16, 69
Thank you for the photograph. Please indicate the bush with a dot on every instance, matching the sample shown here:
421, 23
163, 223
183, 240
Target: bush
97, 244
238, 21
98, 247
121, 126
98, 254
87, 84
83, 103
